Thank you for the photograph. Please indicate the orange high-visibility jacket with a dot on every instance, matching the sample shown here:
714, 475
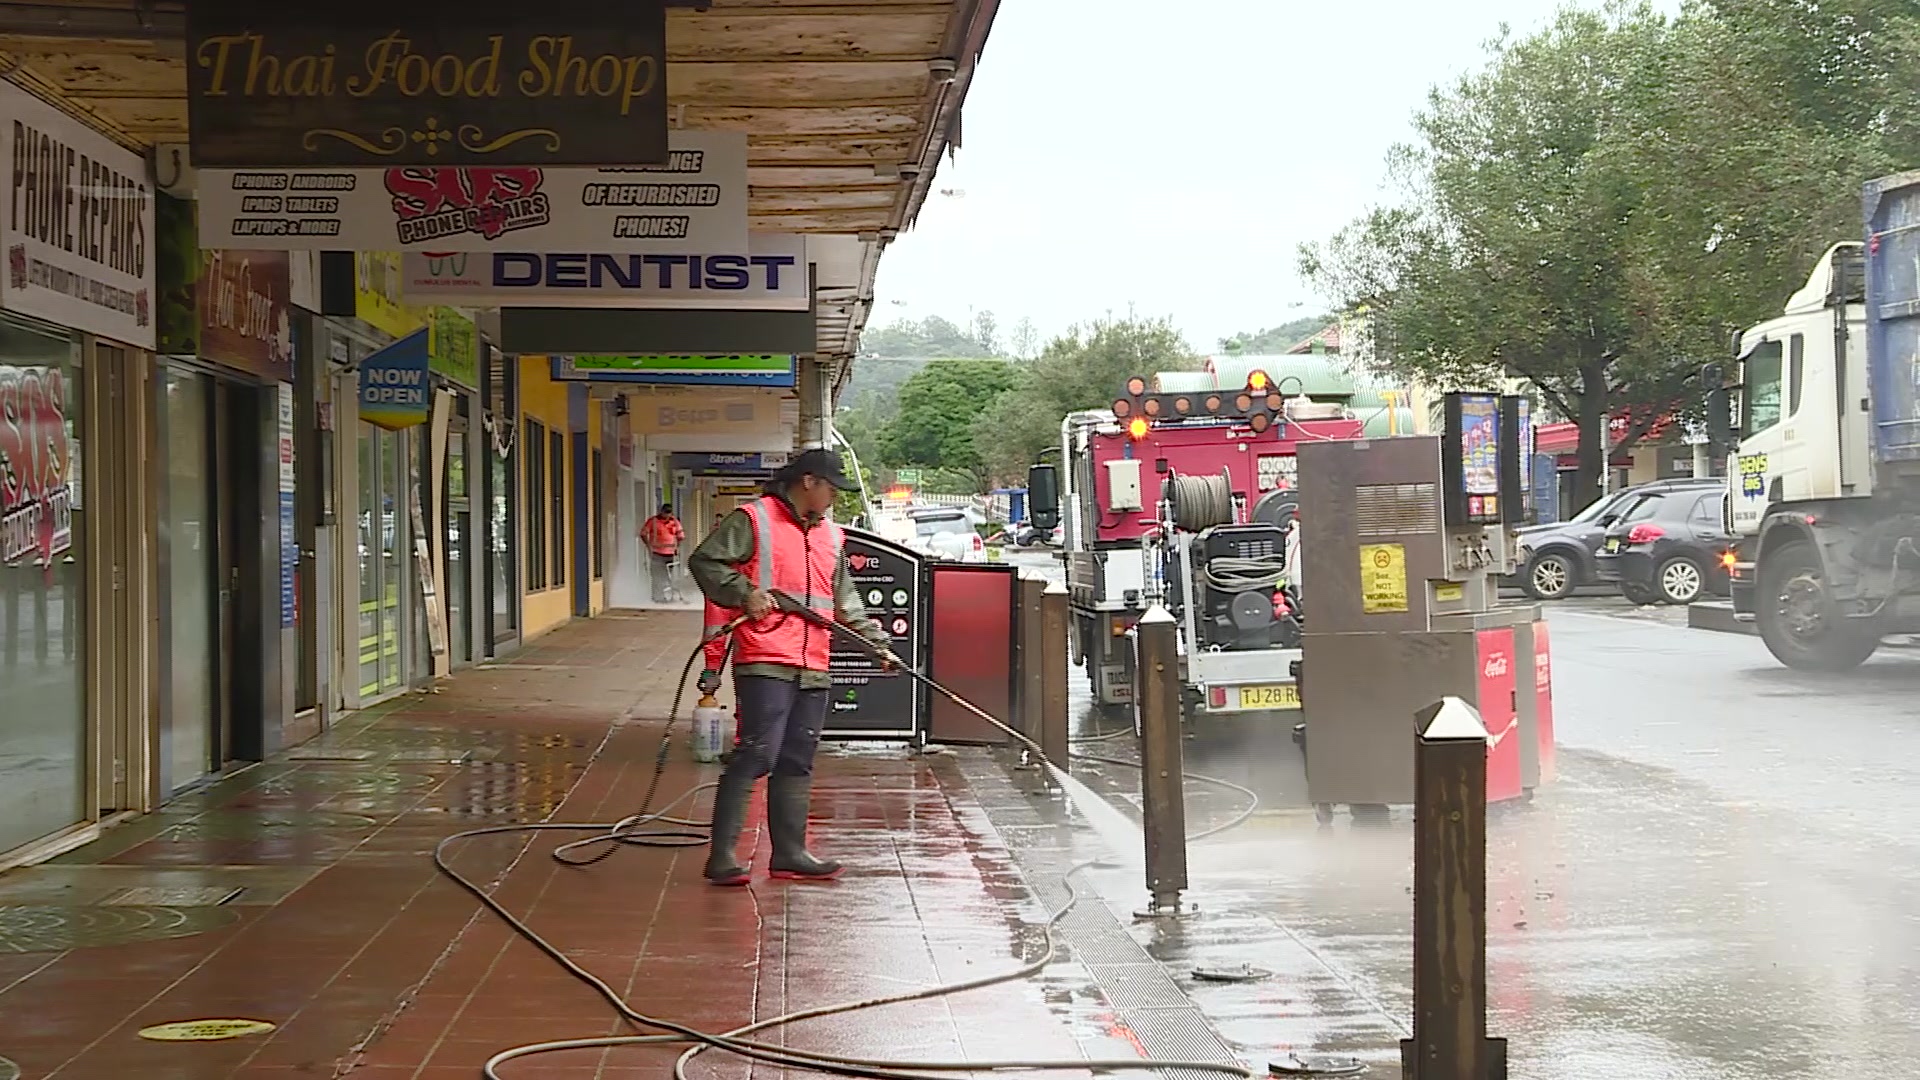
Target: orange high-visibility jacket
662, 535
801, 563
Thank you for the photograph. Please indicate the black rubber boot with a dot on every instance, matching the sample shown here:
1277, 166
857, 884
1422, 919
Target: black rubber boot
730, 801
787, 800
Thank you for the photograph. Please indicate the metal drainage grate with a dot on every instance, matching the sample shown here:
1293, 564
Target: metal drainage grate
37, 929
163, 896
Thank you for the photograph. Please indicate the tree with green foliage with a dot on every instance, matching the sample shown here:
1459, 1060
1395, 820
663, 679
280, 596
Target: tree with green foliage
934, 422
1601, 205
927, 338
1085, 368
1275, 339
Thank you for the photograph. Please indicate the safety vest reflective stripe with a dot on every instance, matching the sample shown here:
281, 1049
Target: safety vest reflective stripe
801, 563
714, 644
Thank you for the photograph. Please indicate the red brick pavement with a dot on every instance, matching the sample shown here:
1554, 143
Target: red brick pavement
375, 966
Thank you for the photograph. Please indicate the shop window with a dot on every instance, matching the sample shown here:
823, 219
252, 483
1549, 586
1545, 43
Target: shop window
597, 518
534, 453
557, 499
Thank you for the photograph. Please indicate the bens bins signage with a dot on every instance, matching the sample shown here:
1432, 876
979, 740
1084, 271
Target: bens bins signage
77, 226
431, 82
697, 201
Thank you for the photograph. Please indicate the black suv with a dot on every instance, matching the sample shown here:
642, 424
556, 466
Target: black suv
1558, 558
1669, 547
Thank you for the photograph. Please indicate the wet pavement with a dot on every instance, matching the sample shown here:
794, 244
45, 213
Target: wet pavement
1718, 886
300, 892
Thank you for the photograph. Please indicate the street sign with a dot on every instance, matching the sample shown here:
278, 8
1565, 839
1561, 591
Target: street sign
910, 477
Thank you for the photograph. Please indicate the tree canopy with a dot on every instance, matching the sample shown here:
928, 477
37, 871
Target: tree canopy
1275, 339
1606, 200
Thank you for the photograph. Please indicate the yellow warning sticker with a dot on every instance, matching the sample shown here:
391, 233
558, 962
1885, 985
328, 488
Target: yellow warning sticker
1383, 578
1448, 591
205, 1030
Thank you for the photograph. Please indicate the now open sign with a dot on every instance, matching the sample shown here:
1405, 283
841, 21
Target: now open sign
394, 385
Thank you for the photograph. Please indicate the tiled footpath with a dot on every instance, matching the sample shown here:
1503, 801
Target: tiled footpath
301, 892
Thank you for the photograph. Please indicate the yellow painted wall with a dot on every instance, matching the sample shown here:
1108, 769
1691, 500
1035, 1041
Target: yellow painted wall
544, 400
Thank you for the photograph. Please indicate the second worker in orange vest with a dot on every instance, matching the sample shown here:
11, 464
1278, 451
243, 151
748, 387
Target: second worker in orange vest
781, 541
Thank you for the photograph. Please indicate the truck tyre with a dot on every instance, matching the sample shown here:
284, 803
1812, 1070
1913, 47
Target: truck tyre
1549, 576
1680, 580
1797, 620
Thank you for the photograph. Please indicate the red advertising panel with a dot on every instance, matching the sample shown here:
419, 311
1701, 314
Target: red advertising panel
971, 650
1497, 680
36, 509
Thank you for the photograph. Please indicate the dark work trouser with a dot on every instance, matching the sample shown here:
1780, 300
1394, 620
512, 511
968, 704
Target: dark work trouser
779, 728
662, 575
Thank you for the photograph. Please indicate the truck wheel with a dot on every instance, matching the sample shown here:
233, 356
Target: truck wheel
1797, 619
1680, 580
1549, 576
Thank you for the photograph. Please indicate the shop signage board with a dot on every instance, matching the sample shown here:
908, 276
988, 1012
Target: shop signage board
723, 464
289, 543
245, 306
866, 702
696, 201
672, 410
78, 228
39, 471
706, 369
376, 294
393, 384
432, 82
454, 350
770, 276
178, 264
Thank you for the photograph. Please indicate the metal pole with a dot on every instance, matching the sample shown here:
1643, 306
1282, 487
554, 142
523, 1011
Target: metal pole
1450, 900
1053, 666
1163, 804
1032, 638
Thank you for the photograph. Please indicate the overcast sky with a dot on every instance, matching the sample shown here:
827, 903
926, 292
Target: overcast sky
1174, 156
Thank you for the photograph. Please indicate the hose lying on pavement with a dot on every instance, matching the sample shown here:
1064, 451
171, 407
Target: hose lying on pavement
635, 830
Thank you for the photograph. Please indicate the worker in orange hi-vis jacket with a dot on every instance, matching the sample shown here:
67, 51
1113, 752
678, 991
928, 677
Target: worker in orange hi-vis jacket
715, 645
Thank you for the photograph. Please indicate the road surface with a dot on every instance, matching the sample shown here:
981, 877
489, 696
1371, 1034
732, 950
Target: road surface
1720, 885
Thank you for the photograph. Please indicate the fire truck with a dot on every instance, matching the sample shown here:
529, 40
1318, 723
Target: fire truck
1185, 498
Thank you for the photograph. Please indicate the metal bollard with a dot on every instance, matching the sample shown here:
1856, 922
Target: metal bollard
1450, 1039
1032, 653
1156, 659
1054, 627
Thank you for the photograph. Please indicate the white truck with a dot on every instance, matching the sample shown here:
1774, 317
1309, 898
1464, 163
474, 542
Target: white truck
1824, 486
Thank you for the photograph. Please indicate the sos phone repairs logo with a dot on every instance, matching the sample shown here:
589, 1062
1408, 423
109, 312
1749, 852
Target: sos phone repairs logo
431, 203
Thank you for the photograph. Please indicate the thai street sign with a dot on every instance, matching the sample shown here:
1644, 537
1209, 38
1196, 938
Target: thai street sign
696, 201
246, 319
433, 82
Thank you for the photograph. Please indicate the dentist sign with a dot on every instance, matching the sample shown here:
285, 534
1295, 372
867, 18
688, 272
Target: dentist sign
770, 276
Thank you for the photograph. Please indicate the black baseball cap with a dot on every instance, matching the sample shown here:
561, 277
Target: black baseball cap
824, 464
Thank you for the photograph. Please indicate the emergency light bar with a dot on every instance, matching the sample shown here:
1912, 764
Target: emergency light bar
1257, 405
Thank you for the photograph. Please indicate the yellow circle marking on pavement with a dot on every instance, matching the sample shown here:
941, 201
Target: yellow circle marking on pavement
205, 1030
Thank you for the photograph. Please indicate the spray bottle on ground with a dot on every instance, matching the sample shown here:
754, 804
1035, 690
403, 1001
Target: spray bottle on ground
709, 723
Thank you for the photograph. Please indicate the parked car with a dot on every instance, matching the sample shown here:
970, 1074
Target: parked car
1669, 547
946, 532
1557, 558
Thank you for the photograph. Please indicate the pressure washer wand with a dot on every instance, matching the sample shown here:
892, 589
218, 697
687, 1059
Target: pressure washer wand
792, 606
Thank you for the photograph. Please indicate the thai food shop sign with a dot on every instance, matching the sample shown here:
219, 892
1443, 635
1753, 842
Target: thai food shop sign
433, 82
